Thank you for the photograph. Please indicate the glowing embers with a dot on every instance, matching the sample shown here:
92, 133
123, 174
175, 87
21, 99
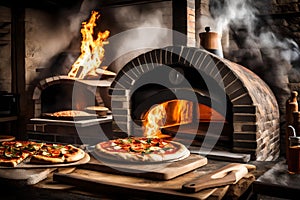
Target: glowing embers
175, 113
92, 51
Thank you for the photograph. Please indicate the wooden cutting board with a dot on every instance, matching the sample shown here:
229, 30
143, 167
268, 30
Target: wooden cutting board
128, 187
160, 171
21, 177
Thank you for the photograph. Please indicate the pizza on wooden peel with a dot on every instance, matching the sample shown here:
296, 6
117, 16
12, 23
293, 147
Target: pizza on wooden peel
13, 153
141, 149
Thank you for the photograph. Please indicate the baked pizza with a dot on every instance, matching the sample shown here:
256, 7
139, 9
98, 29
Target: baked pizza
141, 149
57, 153
70, 113
13, 153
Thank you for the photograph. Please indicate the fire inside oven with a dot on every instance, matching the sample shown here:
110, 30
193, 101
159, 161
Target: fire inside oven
162, 113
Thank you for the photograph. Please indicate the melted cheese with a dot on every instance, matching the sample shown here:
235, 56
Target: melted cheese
117, 147
154, 148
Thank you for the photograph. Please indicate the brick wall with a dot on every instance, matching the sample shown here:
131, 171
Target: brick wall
184, 21
191, 20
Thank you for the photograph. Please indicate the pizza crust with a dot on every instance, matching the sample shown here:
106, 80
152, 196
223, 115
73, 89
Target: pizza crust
12, 162
69, 153
182, 152
39, 159
77, 154
70, 113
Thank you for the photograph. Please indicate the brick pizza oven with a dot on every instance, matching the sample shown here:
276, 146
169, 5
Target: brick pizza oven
252, 111
56, 94
252, 107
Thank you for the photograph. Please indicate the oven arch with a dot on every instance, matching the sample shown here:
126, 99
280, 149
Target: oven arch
255, 109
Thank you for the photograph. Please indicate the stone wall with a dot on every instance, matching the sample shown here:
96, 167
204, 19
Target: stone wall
53, 40
5, 49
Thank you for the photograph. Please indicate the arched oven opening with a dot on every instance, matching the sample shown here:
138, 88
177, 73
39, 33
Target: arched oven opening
183, 110
59, 97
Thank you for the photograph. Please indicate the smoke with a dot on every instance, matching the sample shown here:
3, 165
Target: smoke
135, 18
234, 15
260, 47
76, 19
233, 12
140, 28
289, 48
133, 29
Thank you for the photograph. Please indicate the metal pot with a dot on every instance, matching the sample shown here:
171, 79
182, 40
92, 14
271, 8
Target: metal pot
211, 41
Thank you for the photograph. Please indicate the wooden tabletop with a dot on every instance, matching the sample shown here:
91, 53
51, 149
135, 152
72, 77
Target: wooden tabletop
80, 183
89, 184
277, 182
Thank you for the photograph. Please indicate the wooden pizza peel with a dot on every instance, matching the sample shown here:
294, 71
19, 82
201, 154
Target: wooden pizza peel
116, 184
22, 177
156, 171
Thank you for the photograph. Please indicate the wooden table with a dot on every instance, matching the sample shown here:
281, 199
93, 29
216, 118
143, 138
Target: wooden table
277, 182
128, 187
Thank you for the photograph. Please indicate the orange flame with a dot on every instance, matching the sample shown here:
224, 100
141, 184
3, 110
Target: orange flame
167, 114
155, 119
92, 51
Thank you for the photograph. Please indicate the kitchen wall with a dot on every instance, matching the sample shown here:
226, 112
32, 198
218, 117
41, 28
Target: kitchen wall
53, 39
5, 49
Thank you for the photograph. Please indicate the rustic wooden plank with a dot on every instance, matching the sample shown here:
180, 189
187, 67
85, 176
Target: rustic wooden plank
160, 171
108, 182
137, 187
237, 190
21, 177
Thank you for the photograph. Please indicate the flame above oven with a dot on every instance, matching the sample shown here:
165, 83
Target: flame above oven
170, 113
92, 51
